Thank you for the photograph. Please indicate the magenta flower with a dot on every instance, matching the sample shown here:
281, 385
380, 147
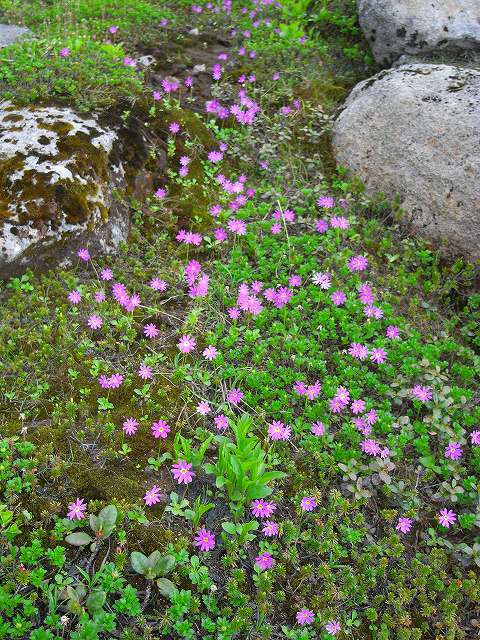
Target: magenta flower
308, 504
305, 616
186, 344
145, 372
321, 226
453, 451
174, 127
339, 222
65, 52
106, 274
322, 280
338, 298
94, 322
234, 313
404, 525
264, 561
75, 297
151, 331
234, 396
313, 390
182, 473
378, 355
333, 627
318, 429
83, 254
393, 333
276, 430
113, 29
152, 496
358, 351
130, 426
160, 429
270, 529
262, 509
300, 387
204, 540
446, 518
475, 437
157, 284
160, 193
424, 394
357, 406
371, 447
326, 202
295, 281
358, 263
203, 408
210, 353
221, 422
76, 510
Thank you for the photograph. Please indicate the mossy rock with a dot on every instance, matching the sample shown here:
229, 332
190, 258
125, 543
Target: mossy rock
63, 182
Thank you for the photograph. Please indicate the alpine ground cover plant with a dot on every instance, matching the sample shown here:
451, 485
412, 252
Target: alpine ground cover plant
260, 419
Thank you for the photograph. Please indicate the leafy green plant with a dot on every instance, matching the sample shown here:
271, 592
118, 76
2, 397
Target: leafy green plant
154, 568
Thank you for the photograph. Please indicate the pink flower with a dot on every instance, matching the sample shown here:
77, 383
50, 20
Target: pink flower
157, 284
152, 496
322, 279
204, 540
321, 226
475, 437
234, 396
326, 202
339, 222
174, 127
215, 156
75, 297
270, 529
276, 228
300, 387
365, 294
160, 429
453, 451
358, 263
370, 447
186, 344
313, 390
220, 234
358, 351
393, 333
106, 274
221, 422
378, 355
305, 616
308, 504
130, 426
333, 627
113, 29
278, 431
65, 52
234, 313
424, 394
151, 331
160, 193
294, 281
76, 510
282, 297
338, 298
203, 408
264, 561
262, 509
318, 429
145, 372
237, 226
94, 322
182, 473
210, 353
446, 518
357, 406
83, 254
404, 525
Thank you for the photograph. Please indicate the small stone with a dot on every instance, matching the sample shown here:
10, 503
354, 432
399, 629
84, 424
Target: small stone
9, 33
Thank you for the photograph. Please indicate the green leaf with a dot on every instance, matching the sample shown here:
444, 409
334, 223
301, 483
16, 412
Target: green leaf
139, 562
78, 539
164, 565
166, 587
95, 601
229, 527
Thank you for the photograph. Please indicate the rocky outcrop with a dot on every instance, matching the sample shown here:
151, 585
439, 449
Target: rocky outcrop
414, 130
9, 33
396, 27
63, 178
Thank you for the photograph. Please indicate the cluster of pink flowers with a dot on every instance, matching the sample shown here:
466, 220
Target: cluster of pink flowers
278, 431
198, 282
311, 391
112, 382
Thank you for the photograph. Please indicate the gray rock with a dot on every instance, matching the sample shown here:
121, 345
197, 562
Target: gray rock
396, 27
9, 33
415, 131
58, 174
146, 61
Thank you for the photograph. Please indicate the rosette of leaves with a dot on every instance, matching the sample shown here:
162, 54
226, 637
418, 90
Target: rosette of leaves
101, 525
154, 568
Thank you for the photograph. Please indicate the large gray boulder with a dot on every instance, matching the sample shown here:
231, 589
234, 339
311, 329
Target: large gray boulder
415, 131
9, 33
63, 182
396, 27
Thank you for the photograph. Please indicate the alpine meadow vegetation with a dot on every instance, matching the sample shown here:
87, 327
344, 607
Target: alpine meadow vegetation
260, 419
